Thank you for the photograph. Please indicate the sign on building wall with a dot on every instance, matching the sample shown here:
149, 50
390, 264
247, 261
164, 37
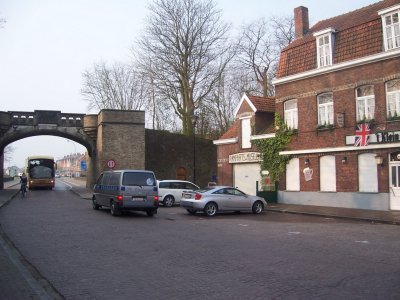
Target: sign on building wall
364, 137
340, 120
308, 173
245, 157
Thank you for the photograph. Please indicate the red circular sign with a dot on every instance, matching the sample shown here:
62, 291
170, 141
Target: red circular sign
110, 164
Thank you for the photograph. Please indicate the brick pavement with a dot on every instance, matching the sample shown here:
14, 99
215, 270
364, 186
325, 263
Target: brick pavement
18, 279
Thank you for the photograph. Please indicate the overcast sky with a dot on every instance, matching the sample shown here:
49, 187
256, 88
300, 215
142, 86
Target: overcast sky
46, 45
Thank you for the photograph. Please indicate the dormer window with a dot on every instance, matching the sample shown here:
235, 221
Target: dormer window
324, 41
391, 27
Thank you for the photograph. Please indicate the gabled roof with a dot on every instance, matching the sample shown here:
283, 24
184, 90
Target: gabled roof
232, 131
358, 34
257, 103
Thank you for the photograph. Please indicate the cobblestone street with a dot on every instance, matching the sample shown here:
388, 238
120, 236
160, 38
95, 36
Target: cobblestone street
87, 254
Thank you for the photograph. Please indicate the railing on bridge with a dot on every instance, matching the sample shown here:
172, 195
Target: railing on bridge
46, 117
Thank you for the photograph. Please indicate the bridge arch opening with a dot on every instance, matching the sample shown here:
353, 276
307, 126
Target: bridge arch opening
70, 155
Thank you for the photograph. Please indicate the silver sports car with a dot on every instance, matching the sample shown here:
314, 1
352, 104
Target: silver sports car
221, 198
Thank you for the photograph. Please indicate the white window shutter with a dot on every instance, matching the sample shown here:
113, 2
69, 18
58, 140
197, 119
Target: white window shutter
293, 175
367, 173
246, 133
328, 173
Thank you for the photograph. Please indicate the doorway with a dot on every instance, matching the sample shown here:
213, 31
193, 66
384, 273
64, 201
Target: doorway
394, 185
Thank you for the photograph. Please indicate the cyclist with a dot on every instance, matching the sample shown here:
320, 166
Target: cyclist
23, 181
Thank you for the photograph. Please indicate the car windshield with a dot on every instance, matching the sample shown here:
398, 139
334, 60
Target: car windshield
138, 178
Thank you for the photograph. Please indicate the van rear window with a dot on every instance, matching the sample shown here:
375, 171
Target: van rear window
138, 178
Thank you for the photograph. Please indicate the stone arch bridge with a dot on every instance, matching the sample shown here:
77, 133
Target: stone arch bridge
111, 134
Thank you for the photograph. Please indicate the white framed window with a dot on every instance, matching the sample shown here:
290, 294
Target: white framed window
393, 98
324, 41
325, 109
291, 115
391, 27
365, 103
327, 173
367, 173
246, 133
293, 175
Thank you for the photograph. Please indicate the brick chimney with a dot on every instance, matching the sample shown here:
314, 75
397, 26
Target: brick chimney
301, 25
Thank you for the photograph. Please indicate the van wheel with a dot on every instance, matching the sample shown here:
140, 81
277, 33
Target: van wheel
169, 201
150, 213
114, 209
94, 204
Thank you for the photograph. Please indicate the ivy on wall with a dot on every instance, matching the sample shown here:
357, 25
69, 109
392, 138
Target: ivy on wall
274, 163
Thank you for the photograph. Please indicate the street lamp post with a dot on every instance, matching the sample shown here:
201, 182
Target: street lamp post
194, 121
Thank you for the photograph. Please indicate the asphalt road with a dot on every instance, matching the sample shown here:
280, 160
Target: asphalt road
88, 254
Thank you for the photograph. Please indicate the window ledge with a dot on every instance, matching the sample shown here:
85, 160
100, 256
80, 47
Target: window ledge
325, 128
392, 120
368, 192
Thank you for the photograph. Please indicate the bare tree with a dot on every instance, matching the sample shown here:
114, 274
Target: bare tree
184, 50
159, 113
8, 152
216, 114
283, 28
117, 87
259, 47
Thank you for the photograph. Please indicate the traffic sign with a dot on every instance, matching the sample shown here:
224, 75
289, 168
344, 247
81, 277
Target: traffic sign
110, 164
83, 165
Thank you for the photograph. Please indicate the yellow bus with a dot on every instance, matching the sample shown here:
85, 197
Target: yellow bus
40, 170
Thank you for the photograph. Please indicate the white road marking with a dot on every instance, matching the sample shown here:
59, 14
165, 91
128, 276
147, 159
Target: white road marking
293, 232
362, 242
70, 186
244, 225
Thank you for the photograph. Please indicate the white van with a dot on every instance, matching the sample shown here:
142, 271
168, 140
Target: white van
170, 191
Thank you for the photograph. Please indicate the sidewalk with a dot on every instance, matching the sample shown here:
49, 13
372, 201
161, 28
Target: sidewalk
18, 278
376, 216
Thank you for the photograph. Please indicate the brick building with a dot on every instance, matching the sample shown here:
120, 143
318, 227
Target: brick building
238, 160
71, 165
338, 85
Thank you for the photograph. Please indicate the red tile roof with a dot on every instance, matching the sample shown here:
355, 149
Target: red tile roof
358, 34
263, 104
232, 131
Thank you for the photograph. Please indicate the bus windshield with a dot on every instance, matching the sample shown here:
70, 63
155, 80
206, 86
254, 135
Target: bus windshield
41, 168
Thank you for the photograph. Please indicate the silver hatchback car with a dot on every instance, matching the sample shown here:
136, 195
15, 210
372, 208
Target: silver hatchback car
221, 198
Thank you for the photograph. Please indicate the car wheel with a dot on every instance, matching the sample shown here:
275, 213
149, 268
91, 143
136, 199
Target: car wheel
210, 209
168, 201
150, 213
191, 211
257, 207
114, 209
94, 204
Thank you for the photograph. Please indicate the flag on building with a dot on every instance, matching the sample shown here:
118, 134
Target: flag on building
362, 135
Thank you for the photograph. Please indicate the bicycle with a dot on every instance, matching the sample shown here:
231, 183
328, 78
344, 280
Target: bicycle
23, 190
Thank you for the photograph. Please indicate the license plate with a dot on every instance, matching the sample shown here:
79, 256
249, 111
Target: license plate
188, 196
137, 199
